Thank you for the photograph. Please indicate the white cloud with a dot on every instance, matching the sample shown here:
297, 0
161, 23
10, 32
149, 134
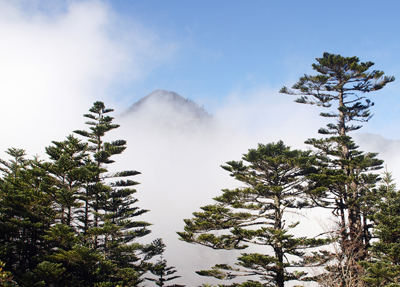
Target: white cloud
181, 167
180, 163
387, 150
264, 115
56, 62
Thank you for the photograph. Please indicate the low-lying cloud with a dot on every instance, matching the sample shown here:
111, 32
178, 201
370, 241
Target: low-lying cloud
180, 160
180, 155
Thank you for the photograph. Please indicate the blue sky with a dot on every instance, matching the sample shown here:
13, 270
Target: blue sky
223, 44
231, 40
226, 46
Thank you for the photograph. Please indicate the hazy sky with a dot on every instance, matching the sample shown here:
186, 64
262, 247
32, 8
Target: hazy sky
58, 57
57, 52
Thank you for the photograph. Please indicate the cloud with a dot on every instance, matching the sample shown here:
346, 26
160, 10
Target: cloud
180, 157
57, 60
264, 115
180, 163
387, 150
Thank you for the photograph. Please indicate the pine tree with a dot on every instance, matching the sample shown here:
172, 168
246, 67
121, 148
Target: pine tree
26, 214
164, 273
343, 180
70, 176
275, 177
100, 123
109, 209
67, 166
70, 222
383, 269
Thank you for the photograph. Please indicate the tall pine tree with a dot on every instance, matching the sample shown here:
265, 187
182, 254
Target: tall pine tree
108, 221
344, 179
275, 177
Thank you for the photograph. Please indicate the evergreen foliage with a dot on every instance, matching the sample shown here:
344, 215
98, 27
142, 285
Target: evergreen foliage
164, 273
26, 214
383, 269
275, 177
111, 204
70, 222
342, 79
70, 175
343, 179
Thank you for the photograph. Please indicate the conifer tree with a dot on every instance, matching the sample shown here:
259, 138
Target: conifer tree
100, 123
275, 177
383, 269
26, 213
70, 222
70, 175
68, 168
164, 273
344, 80
110, 206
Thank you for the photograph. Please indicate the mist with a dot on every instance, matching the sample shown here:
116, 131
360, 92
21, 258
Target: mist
179, 156
55, 65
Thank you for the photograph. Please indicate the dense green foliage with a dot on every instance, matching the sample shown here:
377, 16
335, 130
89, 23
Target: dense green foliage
383, 269
26, 214
68, 221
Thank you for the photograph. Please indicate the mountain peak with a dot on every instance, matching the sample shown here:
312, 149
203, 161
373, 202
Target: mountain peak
168, 108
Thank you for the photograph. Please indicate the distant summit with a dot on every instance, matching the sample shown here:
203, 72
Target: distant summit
171, 99
168, 109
